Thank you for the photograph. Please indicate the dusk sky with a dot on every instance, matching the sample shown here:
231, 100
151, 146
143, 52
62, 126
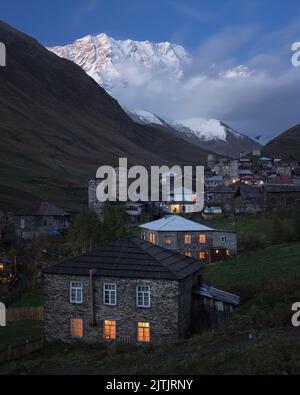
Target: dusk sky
219, 34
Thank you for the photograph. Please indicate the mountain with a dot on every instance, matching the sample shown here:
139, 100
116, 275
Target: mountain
211, 135
112, 62
57, 126
286, 145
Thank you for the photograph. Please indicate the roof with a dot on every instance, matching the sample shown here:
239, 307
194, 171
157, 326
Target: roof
130, 258
175, 223
282, 188
215, 178
222, 189
282, 180
42, 209
245, 172
213, 293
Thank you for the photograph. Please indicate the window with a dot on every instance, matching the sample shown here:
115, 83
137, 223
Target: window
187, 239
110, 294
223, 239
110, 330
202, 239
143, 296
77, 328
143, 332
152, 238
168, 240
76, 292
188, 254
219, 306
202, 256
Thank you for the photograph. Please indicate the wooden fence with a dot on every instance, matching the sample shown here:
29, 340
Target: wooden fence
25, 314
13, 353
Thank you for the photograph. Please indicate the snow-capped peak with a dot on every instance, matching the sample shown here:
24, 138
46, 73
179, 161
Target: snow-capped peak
204, 129
108, 60
145, 117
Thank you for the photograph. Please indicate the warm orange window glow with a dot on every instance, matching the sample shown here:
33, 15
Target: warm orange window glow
77, 328
202, 239
228, 253
187, 239
188, 254
168, 240
152, 238
1, 267
202, 256
143, 332
110, 330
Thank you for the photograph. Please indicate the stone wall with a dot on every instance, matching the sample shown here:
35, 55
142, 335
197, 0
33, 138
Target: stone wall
169, 305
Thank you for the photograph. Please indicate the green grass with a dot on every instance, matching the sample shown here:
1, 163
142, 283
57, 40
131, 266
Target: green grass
32, 298
18, 332
268, 282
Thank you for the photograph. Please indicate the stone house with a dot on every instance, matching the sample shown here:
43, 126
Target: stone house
190, 238
129, 291
249, 199
281, 196
221, 196
42, 218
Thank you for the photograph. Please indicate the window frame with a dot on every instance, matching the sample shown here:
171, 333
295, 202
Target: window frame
110, 292
143, 306
72, 287
202, 236
204, 255
107, 324
144, 327
185, 236
82, 328
224, 239
168, 240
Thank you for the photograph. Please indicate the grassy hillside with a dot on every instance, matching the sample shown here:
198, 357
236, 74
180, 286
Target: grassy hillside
286, 145
268, 282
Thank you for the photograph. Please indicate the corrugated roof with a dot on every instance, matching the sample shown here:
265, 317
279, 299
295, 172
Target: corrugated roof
213, 293
130, 258
175, 223
42, 209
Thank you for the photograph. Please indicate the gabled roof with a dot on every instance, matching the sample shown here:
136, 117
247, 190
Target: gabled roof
175, 223
42, 209
130, 258
213, 293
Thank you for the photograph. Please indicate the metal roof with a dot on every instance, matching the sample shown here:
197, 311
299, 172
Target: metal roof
130, 258
175, 223
213, 293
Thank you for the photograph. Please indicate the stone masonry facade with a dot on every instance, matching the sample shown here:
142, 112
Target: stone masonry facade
169, 316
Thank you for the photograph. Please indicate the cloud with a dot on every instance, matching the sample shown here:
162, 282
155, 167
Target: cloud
265, 100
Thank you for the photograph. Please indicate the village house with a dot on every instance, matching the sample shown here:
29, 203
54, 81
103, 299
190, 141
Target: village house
222, 196
130, 291
41, 219
281, 196
190, 238
249, 199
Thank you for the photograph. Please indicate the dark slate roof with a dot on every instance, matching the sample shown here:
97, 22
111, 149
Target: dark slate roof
213, 293
42, 209
130, 258
222, 189
282, 188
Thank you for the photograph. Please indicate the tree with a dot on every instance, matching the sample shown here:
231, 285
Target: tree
114, 224
86, 232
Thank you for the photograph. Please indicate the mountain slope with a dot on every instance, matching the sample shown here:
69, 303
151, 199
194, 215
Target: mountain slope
210, 135
110, 62
286, 145
57, 126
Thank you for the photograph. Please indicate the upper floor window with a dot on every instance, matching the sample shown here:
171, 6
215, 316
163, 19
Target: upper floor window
187, 239
76, 292
223, 239
143, 296
202, 239
110, 294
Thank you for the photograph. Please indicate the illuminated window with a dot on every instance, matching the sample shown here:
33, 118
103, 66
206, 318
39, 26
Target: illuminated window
1, 267
110, 330
152, 238
168, 240
143, 297
187, 239
188, 254
227, 252
202, 239
143, 332
110, 294
202, 256
76, 292
77, 328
